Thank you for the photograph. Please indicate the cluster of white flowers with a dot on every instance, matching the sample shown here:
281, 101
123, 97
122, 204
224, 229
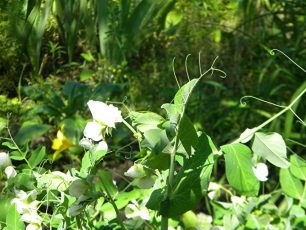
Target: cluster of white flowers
104, 118
27, 205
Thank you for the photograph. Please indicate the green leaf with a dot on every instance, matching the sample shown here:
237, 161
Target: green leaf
292, 186
156, 140
238, 169
183, 94
30, 132
18, 155
37, 156
13, 219
10, 145
298, 167
86, 164
146, 120
25, 180
107, 183
191, 182
172, 113
187, 135
271, 147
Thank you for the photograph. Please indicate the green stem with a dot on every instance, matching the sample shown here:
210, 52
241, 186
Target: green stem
111, 200
136, 134
254, 130
164, 224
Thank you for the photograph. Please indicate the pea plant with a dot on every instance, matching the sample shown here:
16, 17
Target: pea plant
172, 183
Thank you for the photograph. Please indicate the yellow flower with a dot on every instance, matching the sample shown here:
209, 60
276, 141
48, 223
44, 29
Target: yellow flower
60, 143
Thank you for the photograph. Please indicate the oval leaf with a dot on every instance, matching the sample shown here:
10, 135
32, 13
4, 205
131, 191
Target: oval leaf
298, 167
13, 219
271, 147
182, 95
290, 184
238, 169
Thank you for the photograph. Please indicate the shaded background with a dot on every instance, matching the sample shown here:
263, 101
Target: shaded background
56, 54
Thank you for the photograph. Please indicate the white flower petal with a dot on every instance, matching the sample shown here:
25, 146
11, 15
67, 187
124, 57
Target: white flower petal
106, 114
145, 182
93, 130
33, 226
102, 145
261, 171
136, 210
4, 160
136, 171
10, 172
31, 217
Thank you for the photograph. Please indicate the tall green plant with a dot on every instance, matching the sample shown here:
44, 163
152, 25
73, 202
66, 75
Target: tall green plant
122, 27
69, 16
31, 27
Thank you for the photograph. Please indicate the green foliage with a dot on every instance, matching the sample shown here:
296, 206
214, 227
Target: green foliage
238, 161
180, 178
13, 220
271, 147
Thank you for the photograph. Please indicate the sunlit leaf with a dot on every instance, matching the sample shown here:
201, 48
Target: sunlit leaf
271, 147
291, 185
37, 156
107, 184
146, 120
190, 183
13, 219
187, 135
183, 94
298, 167
30, 132
238, 169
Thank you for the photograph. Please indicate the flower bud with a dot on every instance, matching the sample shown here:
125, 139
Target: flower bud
10, 172
136, 171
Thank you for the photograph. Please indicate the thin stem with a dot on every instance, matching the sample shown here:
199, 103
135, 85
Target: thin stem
272, 118
136, 134
111, 200
164, 225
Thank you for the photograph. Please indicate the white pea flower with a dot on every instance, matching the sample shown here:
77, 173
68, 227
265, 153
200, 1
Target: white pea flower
135, 209
101, 146
136, 171
105, 114
33, 227
86, 143
142, 176
261, 171
104, 119
10, 172
213, 188
93, 130
238, 200
4, 160
27, 207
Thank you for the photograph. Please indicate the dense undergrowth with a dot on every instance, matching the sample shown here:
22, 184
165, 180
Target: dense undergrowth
148, 58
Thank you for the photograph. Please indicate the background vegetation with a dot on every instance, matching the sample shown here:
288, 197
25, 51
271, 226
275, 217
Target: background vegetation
58, 54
